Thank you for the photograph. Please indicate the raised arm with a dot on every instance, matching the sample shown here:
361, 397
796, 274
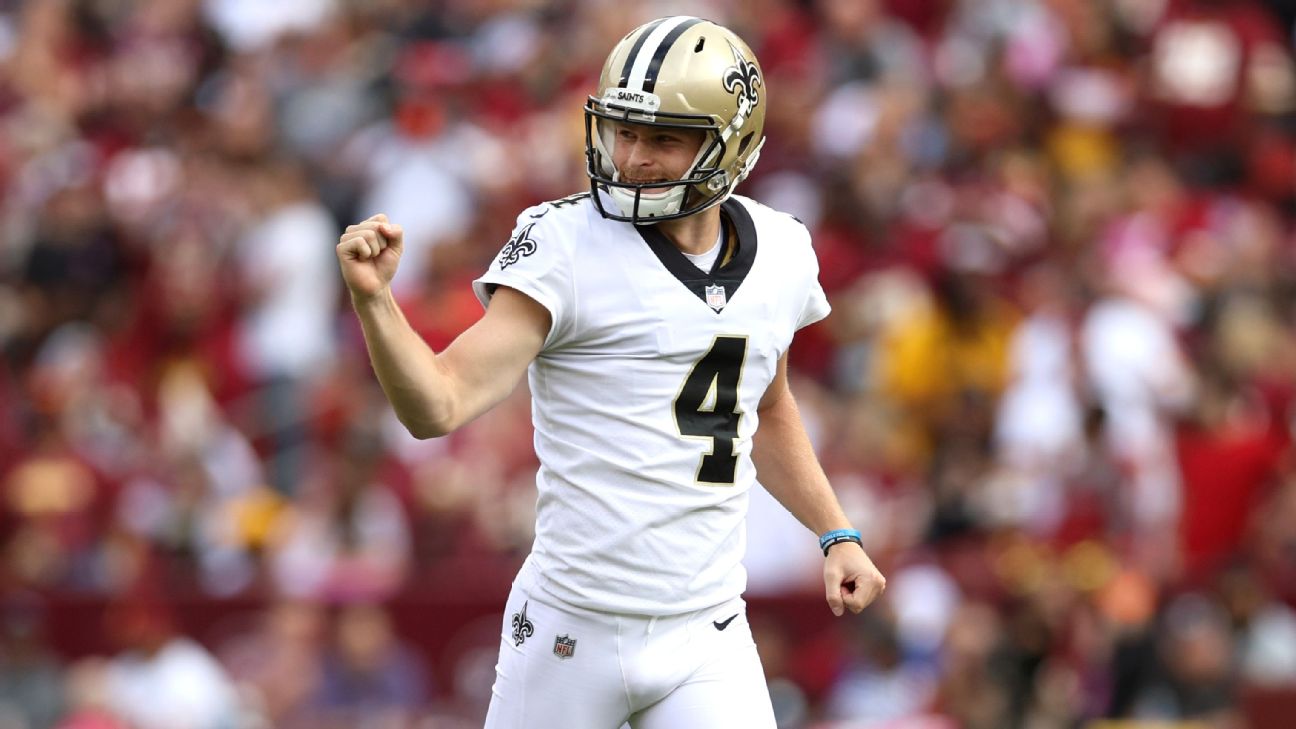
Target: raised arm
432, 393
788, 468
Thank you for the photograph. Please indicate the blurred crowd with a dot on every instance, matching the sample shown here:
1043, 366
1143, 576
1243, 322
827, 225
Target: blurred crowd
1056, 393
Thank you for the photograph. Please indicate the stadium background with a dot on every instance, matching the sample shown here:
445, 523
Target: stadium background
1055, 394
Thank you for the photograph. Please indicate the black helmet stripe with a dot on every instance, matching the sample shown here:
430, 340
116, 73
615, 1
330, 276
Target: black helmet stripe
634, 51
650, 48
650, 78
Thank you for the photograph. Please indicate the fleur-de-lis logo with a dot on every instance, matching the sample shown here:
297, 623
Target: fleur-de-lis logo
522, 627
743, 79
518, 247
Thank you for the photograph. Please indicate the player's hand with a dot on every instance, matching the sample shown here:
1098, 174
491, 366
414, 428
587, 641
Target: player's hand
369, 253
851, 579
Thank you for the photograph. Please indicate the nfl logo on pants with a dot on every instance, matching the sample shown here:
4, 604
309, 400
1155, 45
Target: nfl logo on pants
564, 647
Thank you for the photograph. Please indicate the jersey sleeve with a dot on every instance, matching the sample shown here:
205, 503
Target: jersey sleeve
534, 262
816, 306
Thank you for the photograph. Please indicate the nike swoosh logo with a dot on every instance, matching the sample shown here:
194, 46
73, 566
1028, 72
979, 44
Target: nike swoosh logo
540, 214
721, 625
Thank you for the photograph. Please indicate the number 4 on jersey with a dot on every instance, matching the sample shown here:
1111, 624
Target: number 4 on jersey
707, 407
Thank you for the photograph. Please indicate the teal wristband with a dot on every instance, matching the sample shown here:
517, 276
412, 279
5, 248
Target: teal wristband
838, 536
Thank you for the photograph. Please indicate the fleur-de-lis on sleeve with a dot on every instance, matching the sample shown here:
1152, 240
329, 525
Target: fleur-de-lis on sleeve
518, 247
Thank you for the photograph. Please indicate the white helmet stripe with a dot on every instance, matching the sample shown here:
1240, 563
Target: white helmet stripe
639, 71
644, 32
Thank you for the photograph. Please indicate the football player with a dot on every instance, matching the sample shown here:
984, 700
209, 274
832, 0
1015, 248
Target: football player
652, 315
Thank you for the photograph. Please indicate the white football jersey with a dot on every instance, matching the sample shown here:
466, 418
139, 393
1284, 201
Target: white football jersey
645, 394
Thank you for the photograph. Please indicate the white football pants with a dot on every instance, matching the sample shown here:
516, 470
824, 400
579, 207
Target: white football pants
561, 667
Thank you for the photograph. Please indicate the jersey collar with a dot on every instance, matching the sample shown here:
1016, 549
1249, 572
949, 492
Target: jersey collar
728, 274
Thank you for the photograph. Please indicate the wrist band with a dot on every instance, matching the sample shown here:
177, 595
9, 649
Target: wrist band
837, 536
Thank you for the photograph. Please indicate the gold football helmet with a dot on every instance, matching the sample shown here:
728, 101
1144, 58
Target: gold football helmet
680, 72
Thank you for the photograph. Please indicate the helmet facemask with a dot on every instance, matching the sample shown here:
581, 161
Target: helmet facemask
703, 185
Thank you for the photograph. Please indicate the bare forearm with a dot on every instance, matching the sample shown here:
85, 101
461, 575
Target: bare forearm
787, 467
406, 367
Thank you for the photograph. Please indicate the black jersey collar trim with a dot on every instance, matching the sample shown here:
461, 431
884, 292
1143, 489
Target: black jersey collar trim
728, 275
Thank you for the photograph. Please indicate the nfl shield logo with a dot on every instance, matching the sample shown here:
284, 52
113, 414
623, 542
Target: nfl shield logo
715, 297
564, 647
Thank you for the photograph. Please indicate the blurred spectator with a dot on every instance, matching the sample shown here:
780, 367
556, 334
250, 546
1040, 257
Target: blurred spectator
369, 673
162, 679
88, 698
1264, 628
249, 26
1215, 67
414, 163
1141, 379
285, 336
277, 663
1198, 679
348, 536
974, 686
31, 677
1228, 455
879, 685
202, 502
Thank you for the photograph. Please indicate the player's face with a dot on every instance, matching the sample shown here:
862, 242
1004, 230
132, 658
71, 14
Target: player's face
645, 153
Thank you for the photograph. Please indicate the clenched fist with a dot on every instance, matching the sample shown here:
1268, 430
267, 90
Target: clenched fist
851, 579
369, 253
